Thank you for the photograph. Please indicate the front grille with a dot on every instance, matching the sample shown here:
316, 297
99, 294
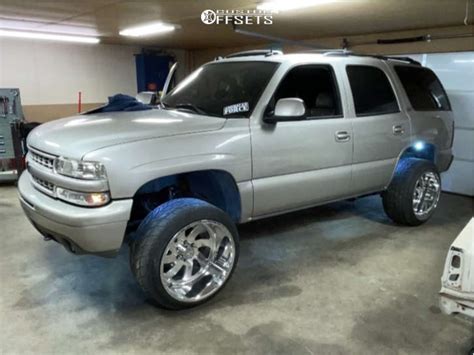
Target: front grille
43, 183
46, 161
42, 159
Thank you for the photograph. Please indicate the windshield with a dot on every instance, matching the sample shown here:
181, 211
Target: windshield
229, 89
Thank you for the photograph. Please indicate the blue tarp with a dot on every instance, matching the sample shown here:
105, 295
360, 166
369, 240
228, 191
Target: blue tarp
121, 102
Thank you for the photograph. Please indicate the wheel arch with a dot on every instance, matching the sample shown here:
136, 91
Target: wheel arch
419, 149
215, 186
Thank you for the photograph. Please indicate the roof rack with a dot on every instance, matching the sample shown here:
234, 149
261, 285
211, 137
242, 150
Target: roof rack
376, 56
333, 51
315, 48
404, 59
325, 52
264, 52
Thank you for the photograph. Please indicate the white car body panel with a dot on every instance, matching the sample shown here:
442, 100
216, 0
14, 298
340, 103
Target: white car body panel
457, 291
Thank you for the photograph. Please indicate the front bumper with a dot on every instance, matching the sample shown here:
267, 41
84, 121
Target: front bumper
81, 230
452, 302
457, 282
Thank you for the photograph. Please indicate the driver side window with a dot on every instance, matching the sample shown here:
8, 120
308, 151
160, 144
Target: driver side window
316, 86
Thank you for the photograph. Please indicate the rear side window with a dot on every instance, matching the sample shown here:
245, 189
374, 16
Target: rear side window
371, 90
423, 88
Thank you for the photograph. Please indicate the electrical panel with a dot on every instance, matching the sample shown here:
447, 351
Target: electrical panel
11, 114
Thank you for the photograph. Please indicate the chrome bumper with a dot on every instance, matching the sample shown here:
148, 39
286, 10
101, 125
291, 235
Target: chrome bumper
82, 230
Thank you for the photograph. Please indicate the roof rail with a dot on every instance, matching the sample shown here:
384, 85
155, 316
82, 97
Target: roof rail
405, 59
338, 52
264, 52
376, 56
334, 51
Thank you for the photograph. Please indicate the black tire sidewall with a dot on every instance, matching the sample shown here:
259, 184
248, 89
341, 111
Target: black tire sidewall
154, 238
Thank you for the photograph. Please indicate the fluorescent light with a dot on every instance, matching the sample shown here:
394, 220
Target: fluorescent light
464, 61
22, 24
147, 30
285, 5
48, 36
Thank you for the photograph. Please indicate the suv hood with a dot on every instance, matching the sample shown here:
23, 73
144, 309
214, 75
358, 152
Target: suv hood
75, 136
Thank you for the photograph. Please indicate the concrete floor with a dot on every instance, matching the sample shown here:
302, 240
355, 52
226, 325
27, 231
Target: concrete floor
337, 279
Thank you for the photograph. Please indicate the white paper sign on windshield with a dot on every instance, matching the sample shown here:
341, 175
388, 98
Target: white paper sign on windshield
240, 107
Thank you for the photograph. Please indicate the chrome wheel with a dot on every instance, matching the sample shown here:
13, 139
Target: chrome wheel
197, 261
426, 194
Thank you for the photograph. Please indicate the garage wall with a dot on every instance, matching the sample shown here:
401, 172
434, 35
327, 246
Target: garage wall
50, 74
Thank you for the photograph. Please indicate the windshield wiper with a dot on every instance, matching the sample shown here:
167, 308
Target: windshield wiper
188, 106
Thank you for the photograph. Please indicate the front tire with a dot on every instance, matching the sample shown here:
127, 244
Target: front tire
184, 253
414, 192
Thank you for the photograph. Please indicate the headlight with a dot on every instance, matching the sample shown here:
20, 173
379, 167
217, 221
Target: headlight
87, 170
89, 199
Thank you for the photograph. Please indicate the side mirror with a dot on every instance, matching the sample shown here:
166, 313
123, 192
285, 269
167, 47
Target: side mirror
288, 109
147, 97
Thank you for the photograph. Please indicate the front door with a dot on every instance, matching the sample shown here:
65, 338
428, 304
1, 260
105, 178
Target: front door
301, 163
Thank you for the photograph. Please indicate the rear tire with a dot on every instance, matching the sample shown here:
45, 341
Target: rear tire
184, 253
413, 195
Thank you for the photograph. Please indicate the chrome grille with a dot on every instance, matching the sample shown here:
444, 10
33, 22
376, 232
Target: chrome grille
42, 160
45, 161
43, 183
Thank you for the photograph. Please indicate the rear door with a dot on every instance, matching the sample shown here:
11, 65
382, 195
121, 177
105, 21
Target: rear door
381, 129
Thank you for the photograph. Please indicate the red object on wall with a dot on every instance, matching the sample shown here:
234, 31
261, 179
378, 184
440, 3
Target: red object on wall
151, 86
79, 103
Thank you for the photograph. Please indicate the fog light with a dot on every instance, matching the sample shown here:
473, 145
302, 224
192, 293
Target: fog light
89, 199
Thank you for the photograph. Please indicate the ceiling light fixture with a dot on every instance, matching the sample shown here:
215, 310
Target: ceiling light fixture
48, 36
285, 5
43, 26
147, 30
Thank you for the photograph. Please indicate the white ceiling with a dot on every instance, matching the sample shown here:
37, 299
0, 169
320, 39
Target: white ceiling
106, 18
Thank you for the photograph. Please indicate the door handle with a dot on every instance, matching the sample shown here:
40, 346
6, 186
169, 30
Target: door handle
398, 130
342, 136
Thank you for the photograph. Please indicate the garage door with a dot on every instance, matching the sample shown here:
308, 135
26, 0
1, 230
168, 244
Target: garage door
456, 72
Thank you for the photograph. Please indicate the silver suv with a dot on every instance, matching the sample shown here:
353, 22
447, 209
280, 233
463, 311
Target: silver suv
244, 137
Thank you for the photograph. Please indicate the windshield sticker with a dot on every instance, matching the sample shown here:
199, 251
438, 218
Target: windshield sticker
240, 107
